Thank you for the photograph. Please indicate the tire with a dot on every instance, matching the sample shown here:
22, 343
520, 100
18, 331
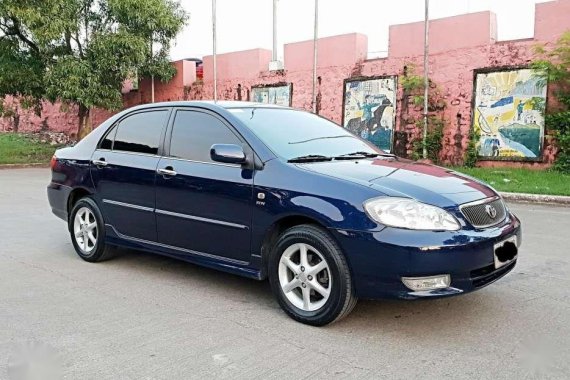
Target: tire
330, 291
93, 231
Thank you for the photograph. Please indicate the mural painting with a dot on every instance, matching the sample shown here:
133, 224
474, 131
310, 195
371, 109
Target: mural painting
509, 114
278, 94
369, 109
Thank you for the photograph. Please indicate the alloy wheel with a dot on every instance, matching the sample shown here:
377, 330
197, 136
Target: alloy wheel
305, 277
85, 229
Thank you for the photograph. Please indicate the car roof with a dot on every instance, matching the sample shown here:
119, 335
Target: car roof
209, 104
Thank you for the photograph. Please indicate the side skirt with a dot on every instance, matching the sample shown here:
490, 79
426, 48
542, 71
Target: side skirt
232, 266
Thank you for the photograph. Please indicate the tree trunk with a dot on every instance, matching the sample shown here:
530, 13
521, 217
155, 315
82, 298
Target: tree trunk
84, 122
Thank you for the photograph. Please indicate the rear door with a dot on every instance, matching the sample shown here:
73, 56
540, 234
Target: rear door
124, 171
201, 205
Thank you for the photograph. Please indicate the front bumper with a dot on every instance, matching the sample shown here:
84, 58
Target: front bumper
379, 259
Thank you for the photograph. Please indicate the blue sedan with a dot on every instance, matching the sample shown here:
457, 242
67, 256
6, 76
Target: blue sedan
275, 193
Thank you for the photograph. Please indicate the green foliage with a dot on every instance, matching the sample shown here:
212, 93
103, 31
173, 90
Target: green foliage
410, 82
554, 66
81, 51
414, 87
433, 140
559, 123
16, 148
519, 180
470, 158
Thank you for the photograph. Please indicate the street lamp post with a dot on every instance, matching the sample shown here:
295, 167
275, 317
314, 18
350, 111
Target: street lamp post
426, 78
315, 36
274, 54
214, 50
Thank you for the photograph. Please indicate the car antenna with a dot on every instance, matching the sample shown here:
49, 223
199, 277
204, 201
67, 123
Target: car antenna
252, 112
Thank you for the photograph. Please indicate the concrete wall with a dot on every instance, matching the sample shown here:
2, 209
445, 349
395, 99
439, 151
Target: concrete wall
458, 46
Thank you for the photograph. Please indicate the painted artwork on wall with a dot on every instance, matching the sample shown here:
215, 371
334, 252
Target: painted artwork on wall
369, 109
509, 114
278, 94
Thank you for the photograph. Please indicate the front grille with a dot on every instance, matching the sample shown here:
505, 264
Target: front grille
481, 214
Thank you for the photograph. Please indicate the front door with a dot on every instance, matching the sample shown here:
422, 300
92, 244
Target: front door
203, 206
123, 169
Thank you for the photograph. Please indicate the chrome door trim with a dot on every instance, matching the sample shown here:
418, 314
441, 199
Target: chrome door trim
129, 205
201, 219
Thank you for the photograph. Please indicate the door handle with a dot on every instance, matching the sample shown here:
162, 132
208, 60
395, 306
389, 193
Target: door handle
100, 162
167, 171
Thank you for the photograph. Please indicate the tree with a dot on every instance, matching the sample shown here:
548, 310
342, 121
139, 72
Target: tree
554, 66
81, 51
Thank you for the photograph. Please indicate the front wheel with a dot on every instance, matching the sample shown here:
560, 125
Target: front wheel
310, 277
87, 231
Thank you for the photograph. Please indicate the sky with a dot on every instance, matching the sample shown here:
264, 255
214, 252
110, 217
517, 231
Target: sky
247, 24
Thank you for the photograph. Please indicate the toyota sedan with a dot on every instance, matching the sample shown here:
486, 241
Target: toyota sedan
275, 193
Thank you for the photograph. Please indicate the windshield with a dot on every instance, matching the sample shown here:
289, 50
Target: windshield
291, 133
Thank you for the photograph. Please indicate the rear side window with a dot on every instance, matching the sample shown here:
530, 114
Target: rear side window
141, 132
194, 133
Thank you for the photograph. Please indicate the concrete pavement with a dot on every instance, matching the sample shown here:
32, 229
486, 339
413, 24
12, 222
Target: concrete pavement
143, 316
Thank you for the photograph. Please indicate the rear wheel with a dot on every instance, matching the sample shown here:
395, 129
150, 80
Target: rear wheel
310, 277
87, 231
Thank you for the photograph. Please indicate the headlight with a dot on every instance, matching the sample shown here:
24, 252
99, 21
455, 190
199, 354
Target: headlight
410, 214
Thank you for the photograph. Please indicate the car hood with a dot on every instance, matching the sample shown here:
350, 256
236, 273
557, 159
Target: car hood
398, 177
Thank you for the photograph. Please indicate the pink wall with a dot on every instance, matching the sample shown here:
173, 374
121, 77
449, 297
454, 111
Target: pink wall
241, 64
446, 34
54, 117
551, 20
331, 51
458, 46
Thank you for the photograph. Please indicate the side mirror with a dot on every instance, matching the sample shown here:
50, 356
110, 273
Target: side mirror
228, 153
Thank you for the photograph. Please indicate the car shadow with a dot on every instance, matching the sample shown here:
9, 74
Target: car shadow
407, 318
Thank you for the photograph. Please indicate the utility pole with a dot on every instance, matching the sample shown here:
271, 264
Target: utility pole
315, 36
274, 55
426, 77
214, 50
152, 75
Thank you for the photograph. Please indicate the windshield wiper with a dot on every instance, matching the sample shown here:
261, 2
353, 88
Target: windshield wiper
357, 154
318, 138
310, 158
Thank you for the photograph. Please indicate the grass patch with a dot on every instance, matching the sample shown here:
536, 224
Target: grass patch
17, 148
522, 180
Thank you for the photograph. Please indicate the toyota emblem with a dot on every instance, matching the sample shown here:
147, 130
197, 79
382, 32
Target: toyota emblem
491, 211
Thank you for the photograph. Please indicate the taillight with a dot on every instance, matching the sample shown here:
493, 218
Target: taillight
53, 162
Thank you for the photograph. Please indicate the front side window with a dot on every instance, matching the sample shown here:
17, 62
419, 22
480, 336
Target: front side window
194, 133
141, 132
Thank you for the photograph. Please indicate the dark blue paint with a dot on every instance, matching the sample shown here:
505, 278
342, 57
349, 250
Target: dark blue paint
329, 193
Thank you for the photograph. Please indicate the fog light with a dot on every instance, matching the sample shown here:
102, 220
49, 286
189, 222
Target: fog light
427, 283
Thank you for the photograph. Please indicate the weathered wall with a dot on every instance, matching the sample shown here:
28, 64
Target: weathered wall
53, 117
458, 46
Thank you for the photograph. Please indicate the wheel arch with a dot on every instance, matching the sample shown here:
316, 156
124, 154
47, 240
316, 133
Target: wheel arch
272, 233
75, 195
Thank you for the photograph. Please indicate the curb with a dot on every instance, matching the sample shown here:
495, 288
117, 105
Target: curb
24, 166
560, 200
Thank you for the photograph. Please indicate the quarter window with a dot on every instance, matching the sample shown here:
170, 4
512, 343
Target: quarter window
141, 132
107, 142
194, 133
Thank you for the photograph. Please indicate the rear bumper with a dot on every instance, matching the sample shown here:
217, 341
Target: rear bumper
57, 196
378, 260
